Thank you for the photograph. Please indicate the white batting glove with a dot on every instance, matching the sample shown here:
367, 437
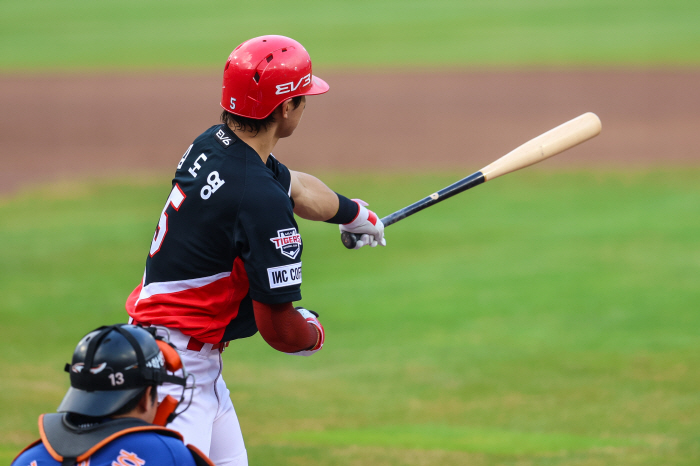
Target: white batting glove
312, 318
367, 225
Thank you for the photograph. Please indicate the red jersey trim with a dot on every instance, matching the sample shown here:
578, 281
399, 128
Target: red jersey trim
176, 286
201, 307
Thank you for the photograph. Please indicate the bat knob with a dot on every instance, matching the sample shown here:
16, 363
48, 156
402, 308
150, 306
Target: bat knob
349, 239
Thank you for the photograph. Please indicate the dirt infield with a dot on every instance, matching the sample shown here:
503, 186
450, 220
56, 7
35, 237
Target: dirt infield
67, 127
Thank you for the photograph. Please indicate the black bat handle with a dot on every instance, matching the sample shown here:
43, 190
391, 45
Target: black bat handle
350, 239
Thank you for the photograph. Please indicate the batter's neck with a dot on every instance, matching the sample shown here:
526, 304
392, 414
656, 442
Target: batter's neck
263, 142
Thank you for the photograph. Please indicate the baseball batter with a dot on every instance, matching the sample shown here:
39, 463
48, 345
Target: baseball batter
225, 260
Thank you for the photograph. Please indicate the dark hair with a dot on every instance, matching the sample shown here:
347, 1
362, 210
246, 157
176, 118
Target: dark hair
242, 123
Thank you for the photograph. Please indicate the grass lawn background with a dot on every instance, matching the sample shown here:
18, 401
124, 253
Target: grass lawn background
157, 34
543, 318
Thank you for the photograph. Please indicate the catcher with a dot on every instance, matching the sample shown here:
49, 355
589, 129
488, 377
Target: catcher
111, 415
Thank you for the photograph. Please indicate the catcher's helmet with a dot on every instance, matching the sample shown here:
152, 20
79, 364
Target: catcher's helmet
263, 72
113, 364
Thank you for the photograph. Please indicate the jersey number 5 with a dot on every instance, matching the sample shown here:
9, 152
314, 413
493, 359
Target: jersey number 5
175, 199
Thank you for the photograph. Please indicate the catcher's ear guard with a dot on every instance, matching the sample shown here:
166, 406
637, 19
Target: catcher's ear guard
173, 363
166, 410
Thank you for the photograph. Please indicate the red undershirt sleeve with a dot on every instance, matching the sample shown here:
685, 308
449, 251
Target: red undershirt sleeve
283, 328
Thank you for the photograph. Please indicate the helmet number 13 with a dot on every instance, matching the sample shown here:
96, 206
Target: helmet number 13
175, 199
116, 379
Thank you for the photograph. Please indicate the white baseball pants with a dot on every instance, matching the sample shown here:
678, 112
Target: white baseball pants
210, 423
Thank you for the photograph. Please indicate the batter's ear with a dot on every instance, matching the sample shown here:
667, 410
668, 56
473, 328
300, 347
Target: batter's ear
286, 107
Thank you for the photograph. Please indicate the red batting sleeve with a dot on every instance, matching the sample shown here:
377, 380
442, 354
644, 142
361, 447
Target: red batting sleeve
283, 328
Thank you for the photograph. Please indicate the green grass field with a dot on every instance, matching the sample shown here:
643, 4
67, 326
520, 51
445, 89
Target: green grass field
157, 34
548, 318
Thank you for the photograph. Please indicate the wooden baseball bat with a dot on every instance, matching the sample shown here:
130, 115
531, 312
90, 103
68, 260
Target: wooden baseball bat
553, 142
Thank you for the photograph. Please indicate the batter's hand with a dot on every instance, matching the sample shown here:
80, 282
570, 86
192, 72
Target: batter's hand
367, 226
312, 318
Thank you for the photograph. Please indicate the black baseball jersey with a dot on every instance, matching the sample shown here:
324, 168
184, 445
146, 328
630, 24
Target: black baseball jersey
226, 236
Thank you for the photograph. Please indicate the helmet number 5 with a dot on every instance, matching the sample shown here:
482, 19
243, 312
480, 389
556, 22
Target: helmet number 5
175, 199
233, 103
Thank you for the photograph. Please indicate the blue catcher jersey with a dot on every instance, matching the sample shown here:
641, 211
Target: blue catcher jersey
135, 449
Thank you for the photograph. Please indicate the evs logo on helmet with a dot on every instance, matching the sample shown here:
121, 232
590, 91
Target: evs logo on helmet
289, 87
288, 241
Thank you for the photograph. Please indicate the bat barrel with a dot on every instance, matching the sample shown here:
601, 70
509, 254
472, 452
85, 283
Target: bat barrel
553, 142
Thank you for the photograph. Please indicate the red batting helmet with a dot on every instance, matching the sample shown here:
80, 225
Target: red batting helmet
263, 72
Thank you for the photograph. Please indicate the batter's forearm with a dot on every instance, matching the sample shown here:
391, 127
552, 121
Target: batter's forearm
283, 328
313, 200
